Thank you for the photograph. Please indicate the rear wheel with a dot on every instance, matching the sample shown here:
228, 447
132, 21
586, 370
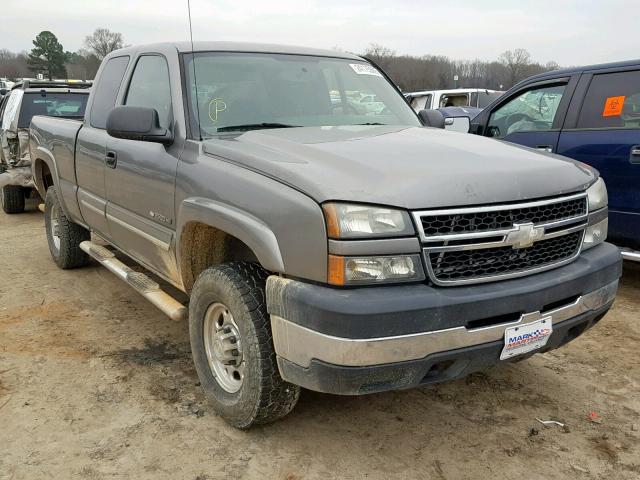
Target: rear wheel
12, 199
232, 346
63, 235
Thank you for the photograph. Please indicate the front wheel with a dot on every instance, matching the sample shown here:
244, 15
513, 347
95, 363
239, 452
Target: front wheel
63, 235
232, 346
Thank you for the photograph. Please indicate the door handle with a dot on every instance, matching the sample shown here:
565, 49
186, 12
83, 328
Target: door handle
635, 155
545, 148
111, 159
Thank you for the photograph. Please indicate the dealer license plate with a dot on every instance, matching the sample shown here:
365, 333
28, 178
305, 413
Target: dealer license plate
526, 338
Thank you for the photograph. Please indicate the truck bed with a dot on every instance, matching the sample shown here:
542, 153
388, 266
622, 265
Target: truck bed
55, 137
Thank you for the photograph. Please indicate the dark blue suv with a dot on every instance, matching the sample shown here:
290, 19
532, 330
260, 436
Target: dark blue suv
591, 114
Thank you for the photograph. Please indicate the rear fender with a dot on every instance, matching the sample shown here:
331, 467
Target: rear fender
43, 156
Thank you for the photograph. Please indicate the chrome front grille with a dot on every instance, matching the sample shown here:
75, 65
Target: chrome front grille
482, 221
481, 244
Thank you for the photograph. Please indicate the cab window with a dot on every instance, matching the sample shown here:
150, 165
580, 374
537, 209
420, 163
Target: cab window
454, 100
150, 88
532, 110
612, 101
421, 102
106, 91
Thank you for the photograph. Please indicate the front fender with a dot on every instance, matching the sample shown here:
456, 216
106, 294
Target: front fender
245, 227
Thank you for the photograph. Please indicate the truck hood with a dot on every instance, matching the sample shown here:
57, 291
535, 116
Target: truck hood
409, 167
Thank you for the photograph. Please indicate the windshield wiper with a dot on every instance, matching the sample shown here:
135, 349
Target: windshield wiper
371, 123
254, 126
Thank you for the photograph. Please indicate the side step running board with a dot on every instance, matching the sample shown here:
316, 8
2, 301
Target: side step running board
629, 254
139, 281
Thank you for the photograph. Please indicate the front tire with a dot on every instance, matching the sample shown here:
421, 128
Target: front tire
63, 235
13, 199
232, 346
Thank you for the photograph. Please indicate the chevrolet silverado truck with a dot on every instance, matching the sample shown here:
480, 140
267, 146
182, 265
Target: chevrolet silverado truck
321, 247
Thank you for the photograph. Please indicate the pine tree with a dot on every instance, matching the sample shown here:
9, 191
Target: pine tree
47, 56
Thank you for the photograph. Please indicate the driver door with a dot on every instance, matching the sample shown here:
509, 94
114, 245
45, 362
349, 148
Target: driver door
532, 116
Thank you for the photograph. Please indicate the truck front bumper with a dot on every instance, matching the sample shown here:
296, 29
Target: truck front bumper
364, 340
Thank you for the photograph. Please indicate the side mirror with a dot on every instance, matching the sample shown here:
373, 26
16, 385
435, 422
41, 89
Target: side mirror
4, 91
431, 118
457, 124
137, 123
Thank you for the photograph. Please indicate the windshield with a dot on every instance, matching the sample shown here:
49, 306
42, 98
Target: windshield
51, 104
241, 91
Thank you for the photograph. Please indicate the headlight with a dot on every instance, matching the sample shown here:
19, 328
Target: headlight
378, 269
595, 234
346, 220
597, 194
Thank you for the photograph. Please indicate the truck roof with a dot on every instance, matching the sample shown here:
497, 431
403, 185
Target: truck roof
572, 70
186, 47
450, 90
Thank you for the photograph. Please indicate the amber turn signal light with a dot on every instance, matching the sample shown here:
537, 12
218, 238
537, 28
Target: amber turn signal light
331, 216
335, 274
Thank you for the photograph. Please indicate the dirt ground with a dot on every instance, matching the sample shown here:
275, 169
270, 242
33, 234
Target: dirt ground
96, 383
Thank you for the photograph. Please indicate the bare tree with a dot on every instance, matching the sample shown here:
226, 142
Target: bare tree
103, 41
13, 65
517, 62
380, 54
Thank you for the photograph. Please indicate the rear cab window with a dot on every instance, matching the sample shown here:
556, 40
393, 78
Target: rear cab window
51, 104
612, 101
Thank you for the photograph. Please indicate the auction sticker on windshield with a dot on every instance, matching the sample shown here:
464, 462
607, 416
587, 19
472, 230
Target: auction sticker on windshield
363, 69
526, 338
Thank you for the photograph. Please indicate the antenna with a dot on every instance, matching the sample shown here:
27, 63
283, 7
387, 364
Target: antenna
193, 63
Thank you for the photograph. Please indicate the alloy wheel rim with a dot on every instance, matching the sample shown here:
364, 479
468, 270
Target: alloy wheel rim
54, 225
223, 345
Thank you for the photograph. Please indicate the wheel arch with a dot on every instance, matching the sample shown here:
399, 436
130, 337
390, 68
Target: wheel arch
210, 233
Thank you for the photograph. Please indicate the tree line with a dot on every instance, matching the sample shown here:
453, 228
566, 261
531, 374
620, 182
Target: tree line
433, 72
49, 58
410, 73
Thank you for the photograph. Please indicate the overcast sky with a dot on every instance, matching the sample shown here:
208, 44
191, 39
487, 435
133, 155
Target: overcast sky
570, 32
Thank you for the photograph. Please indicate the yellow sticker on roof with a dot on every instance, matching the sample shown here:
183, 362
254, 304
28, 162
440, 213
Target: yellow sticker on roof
613, 106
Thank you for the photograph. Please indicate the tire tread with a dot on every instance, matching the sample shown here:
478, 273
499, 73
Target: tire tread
13, 200
276, 397
72, 235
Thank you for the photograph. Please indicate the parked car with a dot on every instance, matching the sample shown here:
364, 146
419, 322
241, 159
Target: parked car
459, 97
372, 104
590, 114
5, 86
26, 99
319, 249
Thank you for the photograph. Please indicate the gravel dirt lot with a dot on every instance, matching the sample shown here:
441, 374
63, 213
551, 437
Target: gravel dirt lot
96, 383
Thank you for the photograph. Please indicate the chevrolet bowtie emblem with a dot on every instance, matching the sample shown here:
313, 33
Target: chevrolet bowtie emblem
524, 235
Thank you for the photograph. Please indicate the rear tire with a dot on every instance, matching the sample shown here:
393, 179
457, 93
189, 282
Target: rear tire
232, 346
13, 199
64, 236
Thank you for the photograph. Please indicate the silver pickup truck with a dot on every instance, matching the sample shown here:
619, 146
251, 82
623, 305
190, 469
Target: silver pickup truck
321, 246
